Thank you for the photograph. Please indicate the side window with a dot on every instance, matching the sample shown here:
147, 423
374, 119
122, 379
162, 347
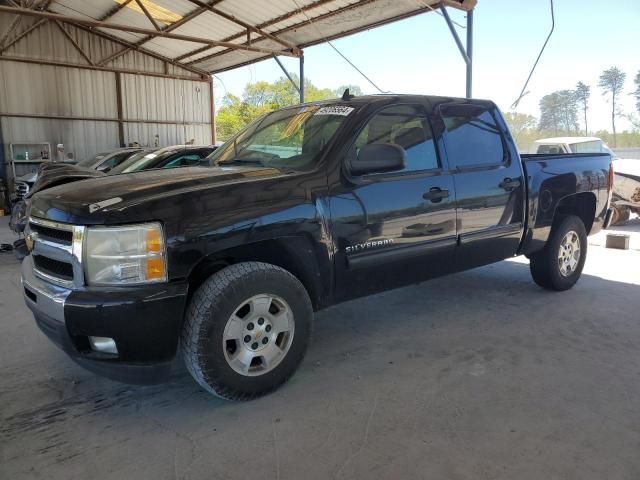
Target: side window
473, 138
186, 160
406, 126
115, 160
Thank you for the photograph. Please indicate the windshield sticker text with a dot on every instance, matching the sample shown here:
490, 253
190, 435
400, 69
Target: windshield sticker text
335, 110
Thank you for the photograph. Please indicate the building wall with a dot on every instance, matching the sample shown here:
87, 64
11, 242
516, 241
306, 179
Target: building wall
156, 111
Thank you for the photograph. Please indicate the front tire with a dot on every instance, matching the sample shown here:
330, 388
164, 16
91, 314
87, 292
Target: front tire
246, 330
559, 265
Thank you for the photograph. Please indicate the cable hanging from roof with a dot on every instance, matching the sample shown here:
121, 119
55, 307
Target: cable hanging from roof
337, 50
514, 105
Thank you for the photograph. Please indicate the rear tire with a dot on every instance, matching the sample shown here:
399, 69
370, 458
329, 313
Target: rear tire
559, 265
246, 330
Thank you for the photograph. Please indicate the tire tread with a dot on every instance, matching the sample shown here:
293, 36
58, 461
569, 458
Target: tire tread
203, 307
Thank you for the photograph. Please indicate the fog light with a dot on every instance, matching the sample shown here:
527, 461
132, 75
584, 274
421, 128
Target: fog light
103, 344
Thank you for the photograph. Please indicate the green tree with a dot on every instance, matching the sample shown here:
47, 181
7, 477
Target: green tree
559, 111
612, 82
261, 97
636, 92
522, 128
583, 92
353, 90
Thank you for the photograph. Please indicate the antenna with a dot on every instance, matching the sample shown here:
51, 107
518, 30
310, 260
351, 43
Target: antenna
346, 96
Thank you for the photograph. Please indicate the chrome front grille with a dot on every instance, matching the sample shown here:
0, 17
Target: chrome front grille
56, 249
22, 189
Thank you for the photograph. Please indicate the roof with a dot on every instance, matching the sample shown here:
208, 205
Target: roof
210, 36
567, 140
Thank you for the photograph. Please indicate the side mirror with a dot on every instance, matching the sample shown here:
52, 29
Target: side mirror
378, 158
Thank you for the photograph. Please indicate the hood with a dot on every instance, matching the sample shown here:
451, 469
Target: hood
112, 199
54, 174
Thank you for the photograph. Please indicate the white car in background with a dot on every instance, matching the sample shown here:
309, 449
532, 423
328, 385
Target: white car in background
551, 146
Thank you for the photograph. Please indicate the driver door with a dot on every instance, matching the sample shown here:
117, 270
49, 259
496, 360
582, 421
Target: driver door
398, 227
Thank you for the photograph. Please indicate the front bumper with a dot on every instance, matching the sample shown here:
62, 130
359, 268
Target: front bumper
144, 321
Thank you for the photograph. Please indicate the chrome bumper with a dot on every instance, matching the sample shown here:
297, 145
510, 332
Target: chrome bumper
40, 296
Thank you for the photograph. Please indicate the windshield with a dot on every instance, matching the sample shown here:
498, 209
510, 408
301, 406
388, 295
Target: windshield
87, 162
293, 138
140, 158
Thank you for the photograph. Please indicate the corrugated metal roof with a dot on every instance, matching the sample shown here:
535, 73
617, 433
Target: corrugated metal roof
299, 23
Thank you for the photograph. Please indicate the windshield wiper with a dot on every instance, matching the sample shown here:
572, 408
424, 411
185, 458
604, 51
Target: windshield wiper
241, 161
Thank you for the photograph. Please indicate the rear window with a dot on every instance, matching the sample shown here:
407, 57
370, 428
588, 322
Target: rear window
473, 138
550, 149
587, 147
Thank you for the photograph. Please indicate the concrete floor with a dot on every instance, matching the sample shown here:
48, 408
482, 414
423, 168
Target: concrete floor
480, 375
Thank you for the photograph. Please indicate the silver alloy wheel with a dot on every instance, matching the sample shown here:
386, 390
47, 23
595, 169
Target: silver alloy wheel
258, 335
569, 254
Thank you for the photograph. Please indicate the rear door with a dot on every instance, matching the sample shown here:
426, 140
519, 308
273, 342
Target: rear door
398, 227
489, 182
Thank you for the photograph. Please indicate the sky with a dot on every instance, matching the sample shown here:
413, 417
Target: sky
418, 55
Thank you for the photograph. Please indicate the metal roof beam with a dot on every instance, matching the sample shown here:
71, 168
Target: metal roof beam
335, 36
77, 46
297, 25
168, 28
16, 21
244, 24
131, 46
38, 61
148, 15
37, 24
132, 29
114, 10
295, 85
262, 26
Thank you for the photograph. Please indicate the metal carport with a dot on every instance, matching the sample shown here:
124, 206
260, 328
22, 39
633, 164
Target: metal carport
146, 62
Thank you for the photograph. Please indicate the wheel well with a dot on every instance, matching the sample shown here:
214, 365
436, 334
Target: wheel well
581, 204
274, 252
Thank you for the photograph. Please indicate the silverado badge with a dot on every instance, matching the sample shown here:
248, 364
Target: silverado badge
358, 247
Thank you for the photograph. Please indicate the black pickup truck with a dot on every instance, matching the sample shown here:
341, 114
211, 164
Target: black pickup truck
306, 207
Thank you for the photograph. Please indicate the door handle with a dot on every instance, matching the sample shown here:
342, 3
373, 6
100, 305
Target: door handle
436, 194
509, 184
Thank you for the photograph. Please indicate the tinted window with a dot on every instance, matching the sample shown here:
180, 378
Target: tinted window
113, 161
473, 138
550, 149
184, 160
406, 126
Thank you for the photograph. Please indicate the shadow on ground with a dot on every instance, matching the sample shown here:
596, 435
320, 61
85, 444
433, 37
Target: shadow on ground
477, 375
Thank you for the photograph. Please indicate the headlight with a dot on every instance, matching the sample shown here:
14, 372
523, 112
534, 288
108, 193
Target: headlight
125, 255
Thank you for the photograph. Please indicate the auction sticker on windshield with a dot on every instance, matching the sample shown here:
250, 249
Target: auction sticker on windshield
335, 110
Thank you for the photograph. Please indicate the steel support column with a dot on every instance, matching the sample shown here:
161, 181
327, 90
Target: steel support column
301, 89
297, 87
119, 109
470, 53
212, 110
465, 52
